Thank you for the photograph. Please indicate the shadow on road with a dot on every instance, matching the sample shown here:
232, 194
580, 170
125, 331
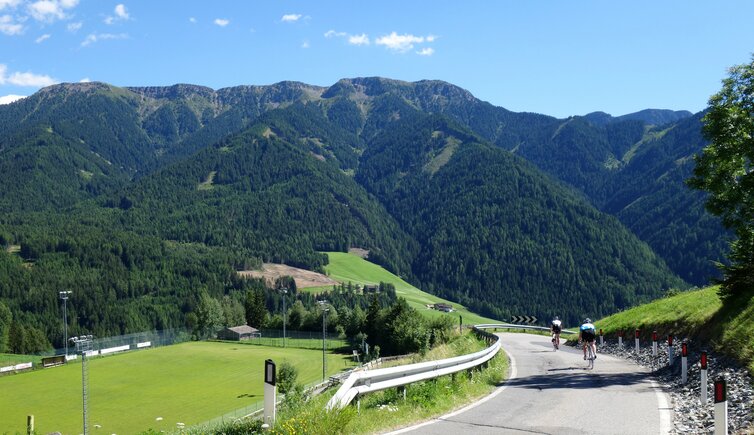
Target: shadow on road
576, 380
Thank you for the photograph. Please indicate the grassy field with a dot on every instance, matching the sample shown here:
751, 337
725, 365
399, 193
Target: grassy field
348, 267
9, 359
189, 383
699, 315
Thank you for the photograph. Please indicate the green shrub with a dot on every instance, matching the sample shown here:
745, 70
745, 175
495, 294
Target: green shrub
286, 377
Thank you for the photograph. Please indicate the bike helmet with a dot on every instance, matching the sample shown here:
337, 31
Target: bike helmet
587, 320
556, 318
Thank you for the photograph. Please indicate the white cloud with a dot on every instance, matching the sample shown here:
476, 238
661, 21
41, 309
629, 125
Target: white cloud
222, 22
291, 18
305, 44
333, 33
42, 38
96, 37
51, 10
362, 39
85, 80
75, 27
426, 51
9, 26
121, 14
400, 43
192, 20
7, 99
9, 4
24, 79
30, 79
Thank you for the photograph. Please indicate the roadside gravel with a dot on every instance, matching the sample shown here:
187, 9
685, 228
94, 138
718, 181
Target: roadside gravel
689, 415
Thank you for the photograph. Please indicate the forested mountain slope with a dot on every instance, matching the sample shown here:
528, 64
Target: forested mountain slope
612, 160
496, 235
138, 185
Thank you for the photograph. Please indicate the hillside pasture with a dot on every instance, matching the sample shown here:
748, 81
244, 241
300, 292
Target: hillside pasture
346, 268
303, 278
188, 383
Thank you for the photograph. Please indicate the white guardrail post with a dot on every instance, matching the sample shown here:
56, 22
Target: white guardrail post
721, 407
684, 362
703, 372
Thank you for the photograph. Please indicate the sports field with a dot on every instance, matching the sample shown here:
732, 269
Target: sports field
187, 383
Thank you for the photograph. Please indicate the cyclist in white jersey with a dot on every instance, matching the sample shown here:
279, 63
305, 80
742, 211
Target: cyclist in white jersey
555, 328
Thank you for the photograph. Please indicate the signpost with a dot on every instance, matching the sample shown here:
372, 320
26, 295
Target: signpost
528, 320
270, 391
684, 362
721, 407
654, 343
703, 371
670, 350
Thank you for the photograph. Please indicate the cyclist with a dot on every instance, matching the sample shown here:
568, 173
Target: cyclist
555, 328
587, 333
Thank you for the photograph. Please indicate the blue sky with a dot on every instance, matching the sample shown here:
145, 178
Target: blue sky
559, 58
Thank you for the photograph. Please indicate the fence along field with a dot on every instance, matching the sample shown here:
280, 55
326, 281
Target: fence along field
188, 383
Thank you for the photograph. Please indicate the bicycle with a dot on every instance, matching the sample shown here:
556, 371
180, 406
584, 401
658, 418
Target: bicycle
590, 356
555, 341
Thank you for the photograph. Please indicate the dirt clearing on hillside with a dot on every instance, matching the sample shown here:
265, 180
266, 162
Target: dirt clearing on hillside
304, 278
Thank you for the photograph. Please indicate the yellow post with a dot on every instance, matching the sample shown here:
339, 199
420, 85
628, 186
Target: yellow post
29, 424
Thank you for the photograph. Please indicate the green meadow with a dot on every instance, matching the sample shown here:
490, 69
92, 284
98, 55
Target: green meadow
700, 315
345, 267
188, 383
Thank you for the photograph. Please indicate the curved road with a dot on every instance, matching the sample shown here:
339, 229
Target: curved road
551, 393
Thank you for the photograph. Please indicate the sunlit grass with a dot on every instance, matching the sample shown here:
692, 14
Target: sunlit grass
386, 410
188, 383
700, 315
346, 268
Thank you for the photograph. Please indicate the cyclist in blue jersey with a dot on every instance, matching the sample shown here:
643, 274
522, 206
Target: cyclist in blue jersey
587, 334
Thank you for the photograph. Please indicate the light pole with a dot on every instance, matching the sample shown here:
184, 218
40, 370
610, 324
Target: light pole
84, 345
325, 309
64, 296
284, 291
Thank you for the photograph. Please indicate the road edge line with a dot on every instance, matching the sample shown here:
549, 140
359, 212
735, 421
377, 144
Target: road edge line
666, 416
511, 375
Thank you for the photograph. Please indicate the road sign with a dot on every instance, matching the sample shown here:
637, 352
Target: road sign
524, 319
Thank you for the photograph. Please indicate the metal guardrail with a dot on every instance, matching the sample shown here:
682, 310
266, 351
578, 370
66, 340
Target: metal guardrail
515, 326
369, 381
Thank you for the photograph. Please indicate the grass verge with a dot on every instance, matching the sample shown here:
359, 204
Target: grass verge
386, 410
726, 326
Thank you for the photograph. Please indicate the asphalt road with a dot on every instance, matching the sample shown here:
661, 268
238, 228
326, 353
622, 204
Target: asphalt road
552, 393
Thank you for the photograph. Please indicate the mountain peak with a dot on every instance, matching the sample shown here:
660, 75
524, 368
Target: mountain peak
648, 116
180, 90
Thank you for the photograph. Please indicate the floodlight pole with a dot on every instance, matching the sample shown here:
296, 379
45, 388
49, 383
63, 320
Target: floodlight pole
64, 296
84, 345
284, 291
325, 309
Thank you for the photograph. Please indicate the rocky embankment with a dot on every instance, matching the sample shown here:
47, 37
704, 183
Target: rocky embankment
689, 415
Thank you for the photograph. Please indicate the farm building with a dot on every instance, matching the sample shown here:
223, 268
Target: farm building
444, 307
237, 333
